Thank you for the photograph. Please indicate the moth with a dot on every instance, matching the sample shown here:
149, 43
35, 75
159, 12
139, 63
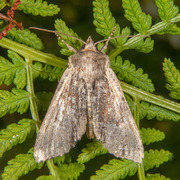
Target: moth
89, 99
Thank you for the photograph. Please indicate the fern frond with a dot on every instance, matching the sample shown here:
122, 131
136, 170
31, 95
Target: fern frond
66, 158
17, 100
145, 46
140, 21
45, 178
50, 72
156, 177
166, 9
116, 169
16, 133
127, 71
26, 37
13, 72
171, 29
70, 171
61, 27
153, 111
151, 135
36, 69
105, 22
43, 100
154, 158
21, 165
130, 102
91, 151
2, 4
172, 77
20, 76
38, 7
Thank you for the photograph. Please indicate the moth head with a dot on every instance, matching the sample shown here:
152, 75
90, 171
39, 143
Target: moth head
89, 45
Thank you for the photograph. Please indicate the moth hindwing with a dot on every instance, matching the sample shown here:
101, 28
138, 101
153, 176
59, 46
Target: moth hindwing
89, 99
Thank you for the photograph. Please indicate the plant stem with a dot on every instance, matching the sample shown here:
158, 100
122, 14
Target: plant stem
136, 110
136, 117
141, 172
153, 30
33, 54
30, 89
151, 98
52, 169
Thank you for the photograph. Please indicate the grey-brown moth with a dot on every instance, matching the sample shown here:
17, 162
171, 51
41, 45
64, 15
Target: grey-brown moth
89, 99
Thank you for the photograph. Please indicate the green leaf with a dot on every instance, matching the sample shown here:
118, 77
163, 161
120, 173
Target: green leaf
20, 78
45, 178
61, 27
166, 9
16, 133
151, 135
145, 46
70, 171
153, 111
105, 22
140, 21
66, 158
127, 72
154, 158
156, 177
43, 100
15, 72
171, 29
116, 169
38, 7
21, 165
172, 77
26, 37
9, 3
2, 4
91, 151
50, 72
17, 100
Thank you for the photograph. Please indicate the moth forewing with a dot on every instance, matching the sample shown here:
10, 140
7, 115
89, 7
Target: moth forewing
63, 124
89, 95
131, 146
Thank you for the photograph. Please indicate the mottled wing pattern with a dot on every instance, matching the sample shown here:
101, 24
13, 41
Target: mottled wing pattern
114, 125
65, 121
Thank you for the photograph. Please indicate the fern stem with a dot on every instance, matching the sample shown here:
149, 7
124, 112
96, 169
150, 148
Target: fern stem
136, 110
151, 98
30, 89
33, 54
52, 169
153, 30
141, 172
136, 117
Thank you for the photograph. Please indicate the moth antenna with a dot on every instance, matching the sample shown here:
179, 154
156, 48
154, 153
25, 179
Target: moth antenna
107, 41
119, 37
69, 47
57, 34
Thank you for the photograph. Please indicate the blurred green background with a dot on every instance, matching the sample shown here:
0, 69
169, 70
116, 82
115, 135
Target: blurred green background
78, 15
